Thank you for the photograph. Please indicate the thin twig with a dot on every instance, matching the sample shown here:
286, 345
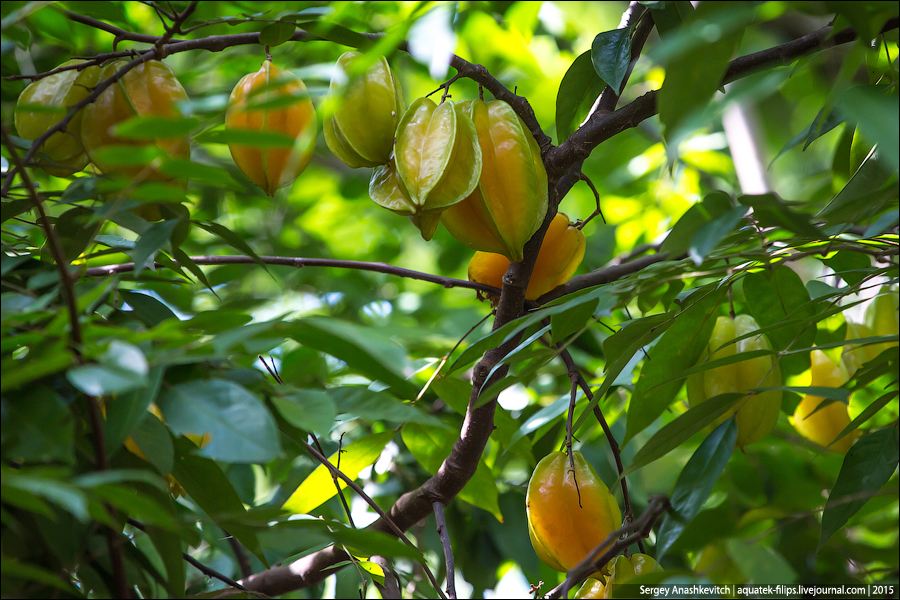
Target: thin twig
448, 550
447, 282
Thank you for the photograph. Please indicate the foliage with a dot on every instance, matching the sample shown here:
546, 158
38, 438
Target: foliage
369, 353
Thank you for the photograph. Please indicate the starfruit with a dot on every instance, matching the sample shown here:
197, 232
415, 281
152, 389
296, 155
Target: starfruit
621, 570
272, 168
43, 104
149, 89
560, 254
510, 202
566, 522
882, 316
757, 413
822, 423
361, 130
437, 160
854, 356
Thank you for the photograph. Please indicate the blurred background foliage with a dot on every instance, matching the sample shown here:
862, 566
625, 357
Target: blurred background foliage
339, 337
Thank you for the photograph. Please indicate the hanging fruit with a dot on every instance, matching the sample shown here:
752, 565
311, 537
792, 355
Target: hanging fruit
437, 159
149, 89
361, 130
510, 202
272, 168
822, 423
757, 413
621, 570
560, 254
566, 522
43, 104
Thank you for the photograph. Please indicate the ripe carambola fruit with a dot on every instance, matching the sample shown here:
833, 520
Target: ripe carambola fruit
272, 168
437, 159
621, 570
510, 202
43, 104
149, 89
756, 414
562, 531
361, 130
822, 425
560, 254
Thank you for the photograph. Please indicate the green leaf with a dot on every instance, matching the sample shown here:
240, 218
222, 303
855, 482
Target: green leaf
309, 410
232, 239
673, 434
683, 234
771, 211
256, 139
152, 127
150, 243
762, 564
208, 486
668, 16
277, 33
13, 568
148, 309
778, 299
240, 427
63, 494
38, 426
866, 468
356, 401
852, 267
154, 440
319, 487
564, 324
610, 55
713, 232
695, 71
696, 482
578, 91
76, 228
431, 445
365, 349
678, 349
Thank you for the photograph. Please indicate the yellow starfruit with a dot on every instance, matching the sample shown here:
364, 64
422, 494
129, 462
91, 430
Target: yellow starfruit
822, 424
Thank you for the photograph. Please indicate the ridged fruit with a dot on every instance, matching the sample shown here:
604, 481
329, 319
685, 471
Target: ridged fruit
149, 89
43, 104
272, 168
621, 570
361, 130
560, 254
756, 414
854, 356
510, 202
563, 532
823, 424
437, 159
882, 316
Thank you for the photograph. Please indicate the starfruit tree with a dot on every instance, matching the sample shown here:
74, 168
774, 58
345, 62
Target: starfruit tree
630, 315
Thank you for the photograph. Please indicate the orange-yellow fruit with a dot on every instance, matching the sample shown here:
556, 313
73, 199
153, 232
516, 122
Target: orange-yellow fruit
43, 104
150, 89
563, 532
272, 168
621, 570
560, 254
822, 426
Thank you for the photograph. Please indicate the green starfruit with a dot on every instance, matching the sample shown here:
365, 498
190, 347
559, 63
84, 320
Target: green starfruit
756, 413
368, 109
437, 159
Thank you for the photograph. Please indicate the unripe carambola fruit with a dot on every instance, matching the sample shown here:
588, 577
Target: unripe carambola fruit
823, 425
560, 254
44, 103
882, 316
438, 161
361, 130
621, 570
272, 168
562, 531
149, 89
510, 202
756, 414
854, 356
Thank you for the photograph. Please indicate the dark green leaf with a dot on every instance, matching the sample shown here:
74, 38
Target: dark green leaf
771, 211
696, 482
610, 55
277, 33
578, 91
153, 127
680, 239
868, 466
678, 349
240, 427
149, 244
358, 401
310, 410
564, 324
